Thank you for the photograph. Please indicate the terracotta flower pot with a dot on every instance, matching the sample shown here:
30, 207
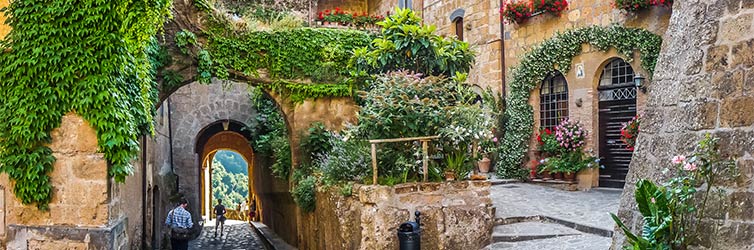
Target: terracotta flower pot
450, 176
570, 176
484, 165
546, 175
558, 176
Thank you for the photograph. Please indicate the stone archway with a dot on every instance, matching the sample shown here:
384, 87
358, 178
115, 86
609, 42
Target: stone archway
224, 140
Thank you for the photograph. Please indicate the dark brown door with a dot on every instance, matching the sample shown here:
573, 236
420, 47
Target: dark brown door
617, 106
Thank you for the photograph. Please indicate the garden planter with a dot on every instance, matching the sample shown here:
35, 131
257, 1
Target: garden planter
484, 165
450, 176
546, 175
557, 176
570, 176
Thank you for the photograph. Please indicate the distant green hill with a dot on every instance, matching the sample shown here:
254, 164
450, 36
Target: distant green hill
232, 161
230, 184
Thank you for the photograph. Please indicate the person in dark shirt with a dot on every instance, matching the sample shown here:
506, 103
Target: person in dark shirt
220, 213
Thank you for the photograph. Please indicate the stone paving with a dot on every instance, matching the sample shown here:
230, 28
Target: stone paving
528, 200
590, 208
237, 235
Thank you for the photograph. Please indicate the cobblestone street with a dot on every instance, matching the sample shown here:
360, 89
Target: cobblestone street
533, 217
237, 235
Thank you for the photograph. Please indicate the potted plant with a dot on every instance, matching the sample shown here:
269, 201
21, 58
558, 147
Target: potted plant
487, 147
455, 165
636, 5
629, 132
544, 169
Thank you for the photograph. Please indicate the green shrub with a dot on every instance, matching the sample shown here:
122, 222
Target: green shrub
317, 142
346, 161
304, 194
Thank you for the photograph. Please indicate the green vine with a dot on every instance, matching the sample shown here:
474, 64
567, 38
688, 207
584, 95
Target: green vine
299, 92
89, 57
287, 56
554, 54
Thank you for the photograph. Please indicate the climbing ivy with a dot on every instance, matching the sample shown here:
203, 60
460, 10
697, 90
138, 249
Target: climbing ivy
87, 57
553, 54
292, 58
296, 54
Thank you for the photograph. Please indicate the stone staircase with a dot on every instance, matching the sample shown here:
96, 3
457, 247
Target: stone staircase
542, 232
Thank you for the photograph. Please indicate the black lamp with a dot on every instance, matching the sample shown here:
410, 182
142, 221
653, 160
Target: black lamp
639, 82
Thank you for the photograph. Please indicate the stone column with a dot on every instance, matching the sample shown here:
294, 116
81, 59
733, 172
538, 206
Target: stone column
704, 83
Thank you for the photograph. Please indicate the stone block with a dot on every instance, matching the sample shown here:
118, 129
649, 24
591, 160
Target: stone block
727, 83
429, 187
736, 29
733, 113
458, 185
89, 167
406, 188
73, 135
701, 115
746, 177
742, 206
49, 244
717, 58
743, 54
374, 194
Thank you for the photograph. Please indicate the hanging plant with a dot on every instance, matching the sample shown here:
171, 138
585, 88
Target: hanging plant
516, 12
635, 5
554, 7
542, 59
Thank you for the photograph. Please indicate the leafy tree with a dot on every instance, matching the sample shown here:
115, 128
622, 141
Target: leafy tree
231, 188
270, 133
406, 44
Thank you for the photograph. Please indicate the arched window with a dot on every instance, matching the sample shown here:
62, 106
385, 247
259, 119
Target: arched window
553, 100
617, 72
459, 27
617, 81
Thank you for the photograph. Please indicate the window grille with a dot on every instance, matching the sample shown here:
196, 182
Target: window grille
553, 101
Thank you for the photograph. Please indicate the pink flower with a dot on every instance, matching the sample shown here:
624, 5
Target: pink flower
689, 167
653, 200
494, 139
678, 159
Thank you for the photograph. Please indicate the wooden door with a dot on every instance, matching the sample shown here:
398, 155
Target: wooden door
617, 106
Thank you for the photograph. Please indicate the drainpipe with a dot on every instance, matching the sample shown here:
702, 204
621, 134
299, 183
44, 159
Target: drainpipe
144, 193
502, 51
170, 140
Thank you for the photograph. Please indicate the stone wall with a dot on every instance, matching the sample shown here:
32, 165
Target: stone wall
80, 213
455, 215
481, 31
704, 83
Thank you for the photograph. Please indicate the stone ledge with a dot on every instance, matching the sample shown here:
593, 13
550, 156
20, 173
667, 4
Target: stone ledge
271, 240
19, 236
541, 218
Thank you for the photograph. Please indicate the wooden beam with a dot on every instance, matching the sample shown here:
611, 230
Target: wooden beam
374, 164
425, 158
424, 138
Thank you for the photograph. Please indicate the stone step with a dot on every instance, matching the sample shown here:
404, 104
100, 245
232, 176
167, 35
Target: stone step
524, 231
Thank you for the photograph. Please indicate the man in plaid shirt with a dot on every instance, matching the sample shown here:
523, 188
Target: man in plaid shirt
179, 218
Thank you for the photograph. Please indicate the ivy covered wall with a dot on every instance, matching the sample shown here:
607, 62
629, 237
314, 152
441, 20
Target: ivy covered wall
87, 57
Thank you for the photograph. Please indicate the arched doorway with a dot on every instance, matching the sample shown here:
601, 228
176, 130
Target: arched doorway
617, 105
211, 141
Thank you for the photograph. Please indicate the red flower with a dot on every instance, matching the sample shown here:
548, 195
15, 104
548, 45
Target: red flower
548, 131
